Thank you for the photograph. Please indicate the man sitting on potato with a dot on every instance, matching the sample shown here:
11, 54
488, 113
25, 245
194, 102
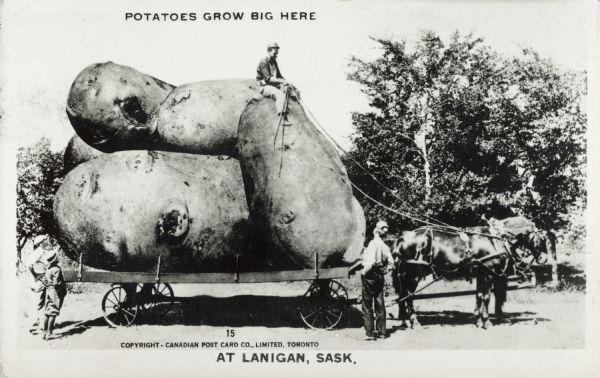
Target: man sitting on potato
272, 84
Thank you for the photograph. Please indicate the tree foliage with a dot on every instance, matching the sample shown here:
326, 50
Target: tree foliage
39, 175
457, 130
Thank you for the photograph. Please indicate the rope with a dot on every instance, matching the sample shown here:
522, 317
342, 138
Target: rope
454, 230
394, 210
436, 224
437, 227
324, 133
340, 168
282, 116
340, 148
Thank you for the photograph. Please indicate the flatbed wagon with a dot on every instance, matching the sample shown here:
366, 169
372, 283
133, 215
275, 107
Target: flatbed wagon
321, 307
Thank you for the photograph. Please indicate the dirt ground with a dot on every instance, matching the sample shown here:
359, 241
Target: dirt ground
537, 319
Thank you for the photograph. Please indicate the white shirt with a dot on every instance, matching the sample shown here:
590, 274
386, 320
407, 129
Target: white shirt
377, 253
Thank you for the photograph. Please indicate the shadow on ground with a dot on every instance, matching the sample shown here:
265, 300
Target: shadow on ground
241, 311
460, 318
75, 328
272, 312
236, 311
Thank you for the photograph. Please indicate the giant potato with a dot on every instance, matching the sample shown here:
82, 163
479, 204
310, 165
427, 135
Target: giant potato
298, 191
112, 107
203, 117
302, 208
122, 210
357, 242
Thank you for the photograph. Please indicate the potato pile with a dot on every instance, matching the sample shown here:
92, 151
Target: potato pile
205, 175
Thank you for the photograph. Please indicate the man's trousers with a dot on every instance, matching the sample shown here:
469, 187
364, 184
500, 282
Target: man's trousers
277, 94
372, 293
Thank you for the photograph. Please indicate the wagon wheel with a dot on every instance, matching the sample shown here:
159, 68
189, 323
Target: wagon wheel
119, 310
160, 296
324, 304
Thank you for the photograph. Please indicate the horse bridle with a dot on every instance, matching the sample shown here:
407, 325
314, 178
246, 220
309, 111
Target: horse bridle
515, 257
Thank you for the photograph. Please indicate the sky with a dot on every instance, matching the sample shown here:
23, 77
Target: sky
46, 44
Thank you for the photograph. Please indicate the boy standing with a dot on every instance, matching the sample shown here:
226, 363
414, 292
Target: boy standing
56, 290
38, 287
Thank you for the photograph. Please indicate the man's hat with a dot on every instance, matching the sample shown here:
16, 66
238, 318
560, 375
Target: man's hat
272, 46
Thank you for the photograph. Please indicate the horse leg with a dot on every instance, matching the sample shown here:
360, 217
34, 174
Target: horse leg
397, 281
484, 288
478, 301
412, 284
500, 289
403, 309
412, 315
476, 311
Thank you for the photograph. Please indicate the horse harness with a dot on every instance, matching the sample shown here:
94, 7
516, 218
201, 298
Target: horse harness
506, 250
514, 257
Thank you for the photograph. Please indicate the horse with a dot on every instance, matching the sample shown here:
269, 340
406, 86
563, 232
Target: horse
488, 253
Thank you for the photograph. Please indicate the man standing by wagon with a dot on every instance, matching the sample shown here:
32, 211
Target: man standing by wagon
376, 259
272, 84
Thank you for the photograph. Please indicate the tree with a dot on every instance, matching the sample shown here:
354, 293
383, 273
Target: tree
457, 131
39, 175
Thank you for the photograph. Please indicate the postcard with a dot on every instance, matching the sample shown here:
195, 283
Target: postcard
234, 188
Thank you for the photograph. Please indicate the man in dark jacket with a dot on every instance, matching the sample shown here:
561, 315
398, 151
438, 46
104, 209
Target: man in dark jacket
272, 84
